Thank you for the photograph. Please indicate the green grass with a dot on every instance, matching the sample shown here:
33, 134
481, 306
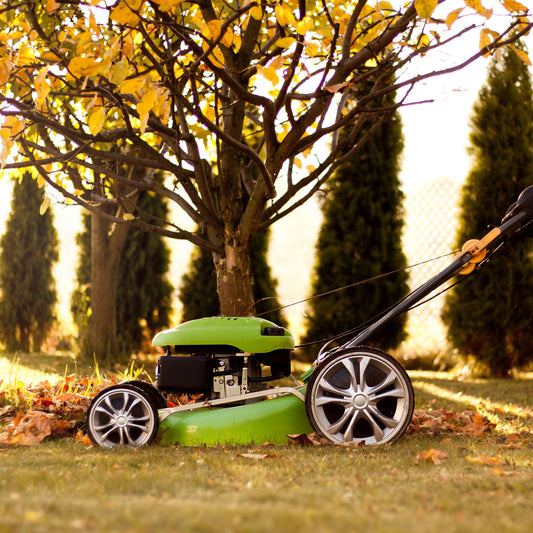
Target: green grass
64, 486
67, 486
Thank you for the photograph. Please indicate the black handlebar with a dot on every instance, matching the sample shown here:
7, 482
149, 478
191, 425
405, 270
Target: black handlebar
524, 204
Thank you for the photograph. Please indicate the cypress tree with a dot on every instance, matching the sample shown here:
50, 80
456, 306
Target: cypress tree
198, 290
489, 315
361, 238
143, 292
265, 285
28, 252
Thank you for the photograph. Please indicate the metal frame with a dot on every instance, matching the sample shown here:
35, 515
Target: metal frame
269, 393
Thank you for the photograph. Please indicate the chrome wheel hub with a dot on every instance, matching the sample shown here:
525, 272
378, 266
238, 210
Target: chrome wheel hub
360, 401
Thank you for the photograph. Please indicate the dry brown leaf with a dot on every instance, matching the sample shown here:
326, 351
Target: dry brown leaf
6, 411
300, 438
30, 429
83, 438
63, 428
501, 473
336, 87
440, 421
435, 456
311, 439
484, 460
516, 441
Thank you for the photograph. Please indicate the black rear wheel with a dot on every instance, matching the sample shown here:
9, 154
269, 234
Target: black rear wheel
122, 415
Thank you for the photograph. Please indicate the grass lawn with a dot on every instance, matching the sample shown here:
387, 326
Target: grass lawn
430, 481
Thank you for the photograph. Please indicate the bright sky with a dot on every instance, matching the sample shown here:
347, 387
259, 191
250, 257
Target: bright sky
436, 135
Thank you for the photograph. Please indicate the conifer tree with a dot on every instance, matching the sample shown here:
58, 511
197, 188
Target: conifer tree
198, 290
28, 252
143, 292
489, 315
361, 238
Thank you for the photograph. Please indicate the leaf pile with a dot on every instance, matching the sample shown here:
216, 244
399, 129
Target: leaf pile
30, 414
434, 423
441, 421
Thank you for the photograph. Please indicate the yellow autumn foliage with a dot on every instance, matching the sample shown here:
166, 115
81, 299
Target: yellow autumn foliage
96, 120
425, 8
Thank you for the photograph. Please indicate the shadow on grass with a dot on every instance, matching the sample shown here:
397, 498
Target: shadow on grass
506, 402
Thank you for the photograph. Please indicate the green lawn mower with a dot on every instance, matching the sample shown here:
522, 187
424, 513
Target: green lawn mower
351, 394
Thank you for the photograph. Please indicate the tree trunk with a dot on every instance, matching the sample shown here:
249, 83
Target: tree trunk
24, 342
234, 281
37, 340
235, 291
107, 242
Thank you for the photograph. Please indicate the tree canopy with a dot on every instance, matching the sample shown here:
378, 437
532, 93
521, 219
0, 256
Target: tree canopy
92, 88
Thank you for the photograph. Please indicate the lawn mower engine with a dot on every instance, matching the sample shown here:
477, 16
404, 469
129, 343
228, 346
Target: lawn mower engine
222, 357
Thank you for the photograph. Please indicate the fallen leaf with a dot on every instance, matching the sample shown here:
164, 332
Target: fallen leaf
435, 456
300, 438
484, 460
63, 428
83, 438
501, 473
33, 516
438, 422
79, 523
516, 441
30, 429
254, 456
311, 439
7, 410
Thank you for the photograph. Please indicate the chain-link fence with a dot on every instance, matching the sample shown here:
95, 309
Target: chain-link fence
431, 219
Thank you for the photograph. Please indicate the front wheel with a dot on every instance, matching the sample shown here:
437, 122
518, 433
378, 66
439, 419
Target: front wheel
360, 395
122, 415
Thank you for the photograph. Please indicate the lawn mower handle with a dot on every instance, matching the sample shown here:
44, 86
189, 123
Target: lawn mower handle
517, 217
